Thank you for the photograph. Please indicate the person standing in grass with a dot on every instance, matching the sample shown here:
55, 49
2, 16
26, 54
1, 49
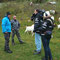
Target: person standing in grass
46, 32
15, 30
6, 29
37, 17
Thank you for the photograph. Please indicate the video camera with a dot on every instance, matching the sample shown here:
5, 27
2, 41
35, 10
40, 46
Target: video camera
33, 16
41, 12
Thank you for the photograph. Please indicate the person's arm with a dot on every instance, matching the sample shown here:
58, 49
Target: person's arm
46, 17
11, 22
12, 25
37, 23
18, 25
4, 21
43, 26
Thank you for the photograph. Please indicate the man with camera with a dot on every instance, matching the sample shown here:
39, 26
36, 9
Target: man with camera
38, 19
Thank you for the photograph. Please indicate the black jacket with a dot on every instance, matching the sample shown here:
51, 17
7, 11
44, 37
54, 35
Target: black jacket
38, 20
47, 25
15, 24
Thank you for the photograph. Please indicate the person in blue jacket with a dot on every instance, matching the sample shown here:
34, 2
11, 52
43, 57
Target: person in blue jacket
6, 29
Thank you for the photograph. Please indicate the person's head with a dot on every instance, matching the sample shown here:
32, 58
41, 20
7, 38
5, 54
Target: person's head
36, 11
8, 14
14, 17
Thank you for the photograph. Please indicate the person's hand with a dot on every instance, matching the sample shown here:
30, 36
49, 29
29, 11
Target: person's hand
12, 29
6, 32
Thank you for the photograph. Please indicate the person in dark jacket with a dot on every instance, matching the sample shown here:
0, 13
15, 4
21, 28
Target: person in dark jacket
46, 32
15, 30
38, 19
6, 29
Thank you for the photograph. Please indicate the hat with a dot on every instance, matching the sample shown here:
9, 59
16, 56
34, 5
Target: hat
8, 13
47, 13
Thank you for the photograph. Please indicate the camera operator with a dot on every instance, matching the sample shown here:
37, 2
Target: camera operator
38, 19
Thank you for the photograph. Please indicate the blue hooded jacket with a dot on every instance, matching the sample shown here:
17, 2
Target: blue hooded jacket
6, 25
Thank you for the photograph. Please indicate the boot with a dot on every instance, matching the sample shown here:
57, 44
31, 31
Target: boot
37, 53
21, 42
8, 51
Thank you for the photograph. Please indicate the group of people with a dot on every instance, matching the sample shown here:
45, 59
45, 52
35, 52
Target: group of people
43, 26
7, 26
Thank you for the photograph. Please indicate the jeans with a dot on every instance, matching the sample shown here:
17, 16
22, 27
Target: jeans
38, 42
47, 50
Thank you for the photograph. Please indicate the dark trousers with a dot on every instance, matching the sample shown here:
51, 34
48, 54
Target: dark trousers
6, 36
47, 50
16, 32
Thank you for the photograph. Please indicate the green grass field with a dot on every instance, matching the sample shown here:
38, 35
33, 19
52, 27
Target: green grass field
25, 51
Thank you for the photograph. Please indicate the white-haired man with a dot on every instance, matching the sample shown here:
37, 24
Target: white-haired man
15, 30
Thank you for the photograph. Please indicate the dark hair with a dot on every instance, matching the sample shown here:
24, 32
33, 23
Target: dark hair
8, 13
37, 10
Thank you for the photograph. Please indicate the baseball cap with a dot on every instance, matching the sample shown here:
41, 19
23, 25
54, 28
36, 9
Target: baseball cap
8, 13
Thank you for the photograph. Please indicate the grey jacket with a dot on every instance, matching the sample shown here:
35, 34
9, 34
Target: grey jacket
15, 24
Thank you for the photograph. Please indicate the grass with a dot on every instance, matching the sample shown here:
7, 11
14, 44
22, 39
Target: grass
25, 51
